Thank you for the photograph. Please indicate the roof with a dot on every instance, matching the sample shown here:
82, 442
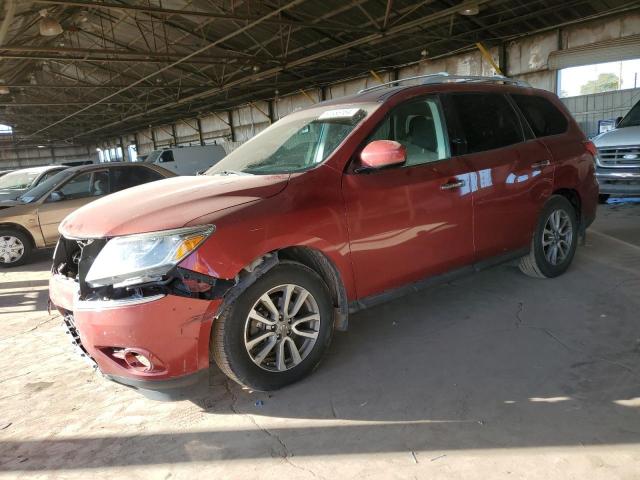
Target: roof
110, 165
40, 169
121, 66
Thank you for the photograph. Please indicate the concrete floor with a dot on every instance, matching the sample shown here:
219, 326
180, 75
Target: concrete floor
493, 376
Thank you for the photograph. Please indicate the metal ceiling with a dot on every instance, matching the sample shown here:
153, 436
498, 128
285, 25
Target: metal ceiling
122, 65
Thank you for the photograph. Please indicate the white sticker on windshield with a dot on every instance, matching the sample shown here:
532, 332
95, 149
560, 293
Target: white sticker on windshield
339, 113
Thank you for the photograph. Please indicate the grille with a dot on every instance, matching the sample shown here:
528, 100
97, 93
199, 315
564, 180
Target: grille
74, 336
628, 156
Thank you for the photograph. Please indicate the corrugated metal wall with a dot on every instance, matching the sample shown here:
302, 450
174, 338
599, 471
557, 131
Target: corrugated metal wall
526, 58
589, 109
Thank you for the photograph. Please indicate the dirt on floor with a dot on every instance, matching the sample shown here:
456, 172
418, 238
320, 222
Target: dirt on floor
493, 376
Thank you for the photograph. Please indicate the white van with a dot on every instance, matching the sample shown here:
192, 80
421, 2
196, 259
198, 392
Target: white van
187, 160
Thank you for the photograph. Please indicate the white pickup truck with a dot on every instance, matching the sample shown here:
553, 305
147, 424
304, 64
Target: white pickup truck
618, 161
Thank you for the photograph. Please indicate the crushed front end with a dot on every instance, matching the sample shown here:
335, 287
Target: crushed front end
153, 336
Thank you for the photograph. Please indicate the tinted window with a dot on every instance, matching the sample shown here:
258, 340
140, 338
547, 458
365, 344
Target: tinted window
418, 126
541, 115
89, 184
123, 178
487, 120
167, 156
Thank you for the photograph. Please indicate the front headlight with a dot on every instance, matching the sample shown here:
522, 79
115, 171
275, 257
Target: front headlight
141, 258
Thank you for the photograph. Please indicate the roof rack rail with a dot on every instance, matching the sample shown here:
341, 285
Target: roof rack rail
444, 77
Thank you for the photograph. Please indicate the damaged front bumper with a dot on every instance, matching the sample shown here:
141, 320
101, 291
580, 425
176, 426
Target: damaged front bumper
152, 339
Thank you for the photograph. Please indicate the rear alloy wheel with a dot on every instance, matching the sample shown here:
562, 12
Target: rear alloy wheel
554, 242
277, 330
14, 248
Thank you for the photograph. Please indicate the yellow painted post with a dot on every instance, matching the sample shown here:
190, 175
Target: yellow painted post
376, 76
487, 56
308, 96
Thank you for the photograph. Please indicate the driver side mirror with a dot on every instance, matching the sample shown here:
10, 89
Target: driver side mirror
381, 154
56, 196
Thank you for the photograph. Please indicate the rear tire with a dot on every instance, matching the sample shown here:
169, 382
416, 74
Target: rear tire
262, 340
603, 197
15, 248
554, 242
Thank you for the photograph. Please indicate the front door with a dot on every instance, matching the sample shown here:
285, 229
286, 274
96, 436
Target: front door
413, 221
77, 191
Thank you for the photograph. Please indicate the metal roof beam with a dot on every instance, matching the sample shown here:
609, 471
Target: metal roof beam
195, 13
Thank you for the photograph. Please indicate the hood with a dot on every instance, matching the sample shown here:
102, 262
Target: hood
618, 137
167, 204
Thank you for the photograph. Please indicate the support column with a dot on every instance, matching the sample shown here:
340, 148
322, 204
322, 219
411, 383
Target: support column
199, 124
233, 130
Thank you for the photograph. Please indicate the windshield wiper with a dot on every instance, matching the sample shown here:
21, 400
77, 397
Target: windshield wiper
231, 172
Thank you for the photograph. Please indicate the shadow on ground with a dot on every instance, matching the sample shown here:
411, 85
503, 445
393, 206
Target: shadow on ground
493, 361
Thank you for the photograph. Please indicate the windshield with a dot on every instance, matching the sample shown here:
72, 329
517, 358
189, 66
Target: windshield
153, 156
298, 142
631, 119
45, 187
18, 180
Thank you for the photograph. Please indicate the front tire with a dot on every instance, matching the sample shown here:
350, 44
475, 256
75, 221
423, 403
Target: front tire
554, 241
15, 248
276, 332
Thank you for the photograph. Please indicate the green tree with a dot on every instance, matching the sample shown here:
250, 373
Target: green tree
604, 83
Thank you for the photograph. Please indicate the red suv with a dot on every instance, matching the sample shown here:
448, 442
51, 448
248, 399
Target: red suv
330, 210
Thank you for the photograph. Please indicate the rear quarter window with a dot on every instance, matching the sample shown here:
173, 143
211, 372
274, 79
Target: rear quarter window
543, 117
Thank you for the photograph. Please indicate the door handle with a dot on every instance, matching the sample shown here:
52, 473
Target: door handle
543, 163
452, 185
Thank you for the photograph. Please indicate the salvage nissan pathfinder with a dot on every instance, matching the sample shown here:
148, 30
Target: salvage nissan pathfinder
329, 210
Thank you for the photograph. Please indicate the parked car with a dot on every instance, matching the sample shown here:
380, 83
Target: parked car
618, 160
331, 209
187, 160
4, 172
17, 182
31, 221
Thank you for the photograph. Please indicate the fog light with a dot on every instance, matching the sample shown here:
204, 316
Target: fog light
137, 361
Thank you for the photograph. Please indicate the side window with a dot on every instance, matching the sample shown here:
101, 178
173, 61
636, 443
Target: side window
488, 121
419, 127
89, 184
167, 156
542, 116
124, 178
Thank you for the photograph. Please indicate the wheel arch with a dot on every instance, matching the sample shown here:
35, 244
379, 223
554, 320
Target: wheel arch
323, 266
574, 199
19, 228
307, 256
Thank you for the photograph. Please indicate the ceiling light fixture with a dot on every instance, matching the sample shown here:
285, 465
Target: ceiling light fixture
49, 27
4, 90
469, 9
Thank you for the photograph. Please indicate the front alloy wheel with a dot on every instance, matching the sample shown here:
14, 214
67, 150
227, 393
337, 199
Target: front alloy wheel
282, 328
277, 330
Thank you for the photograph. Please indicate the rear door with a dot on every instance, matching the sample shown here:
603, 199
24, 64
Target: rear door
512, 170
412, 221
79, 190
131, 176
